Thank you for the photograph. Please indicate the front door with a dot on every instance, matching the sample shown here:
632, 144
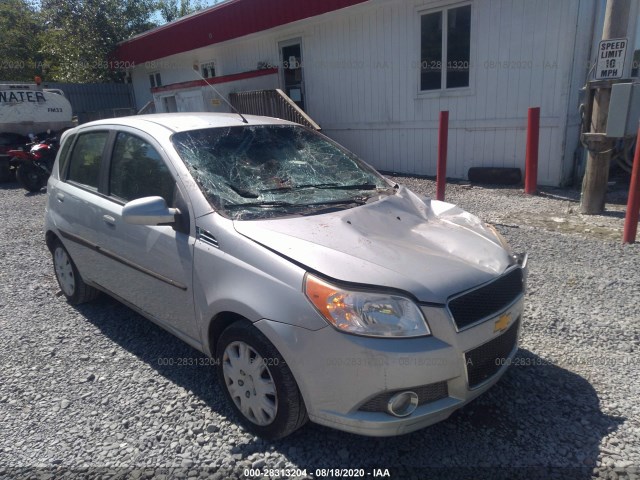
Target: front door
148, 266
292, 78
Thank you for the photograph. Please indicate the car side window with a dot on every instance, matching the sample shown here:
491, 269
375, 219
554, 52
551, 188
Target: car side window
84, 164
64, 153
138, 170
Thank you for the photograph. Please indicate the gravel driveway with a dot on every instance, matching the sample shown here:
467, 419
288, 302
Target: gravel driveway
88, 392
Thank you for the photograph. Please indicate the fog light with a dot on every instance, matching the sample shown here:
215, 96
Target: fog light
402, 404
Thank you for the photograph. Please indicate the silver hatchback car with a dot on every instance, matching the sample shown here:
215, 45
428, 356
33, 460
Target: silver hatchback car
321, 290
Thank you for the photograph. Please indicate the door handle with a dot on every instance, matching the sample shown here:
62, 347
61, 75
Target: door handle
60, 197
109, 220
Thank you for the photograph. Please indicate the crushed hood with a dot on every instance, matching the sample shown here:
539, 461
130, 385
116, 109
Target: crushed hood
430, 249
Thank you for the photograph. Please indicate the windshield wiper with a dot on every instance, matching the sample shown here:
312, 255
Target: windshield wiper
346, 201
262, 204
324, 186
298, 187
362, 186
242, 192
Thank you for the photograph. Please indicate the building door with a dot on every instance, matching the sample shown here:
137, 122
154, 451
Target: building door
170, 104
292, 78
190, 102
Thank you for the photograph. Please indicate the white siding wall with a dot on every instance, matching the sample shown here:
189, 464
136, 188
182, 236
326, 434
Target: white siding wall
574, 152
362, 81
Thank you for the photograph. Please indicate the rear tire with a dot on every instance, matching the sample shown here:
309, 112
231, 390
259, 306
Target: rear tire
258, 383
70, 281
30, 177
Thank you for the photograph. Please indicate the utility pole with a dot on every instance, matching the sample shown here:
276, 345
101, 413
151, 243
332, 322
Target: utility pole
596, 178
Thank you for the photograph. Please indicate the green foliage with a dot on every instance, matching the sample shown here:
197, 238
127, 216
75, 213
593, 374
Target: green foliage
71, 40
171, 10
19, 30
79, 35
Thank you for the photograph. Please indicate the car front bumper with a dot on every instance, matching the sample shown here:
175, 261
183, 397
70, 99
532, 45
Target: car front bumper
339, 373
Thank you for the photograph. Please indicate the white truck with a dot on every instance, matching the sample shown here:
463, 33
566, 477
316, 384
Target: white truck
28, 109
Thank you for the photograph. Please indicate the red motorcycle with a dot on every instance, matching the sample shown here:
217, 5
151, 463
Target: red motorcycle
35, 165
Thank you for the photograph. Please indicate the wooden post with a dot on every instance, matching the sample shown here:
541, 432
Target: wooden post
443, 136
596, 177
533, 141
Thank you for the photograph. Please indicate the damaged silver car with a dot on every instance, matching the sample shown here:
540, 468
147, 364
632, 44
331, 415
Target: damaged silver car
321, 290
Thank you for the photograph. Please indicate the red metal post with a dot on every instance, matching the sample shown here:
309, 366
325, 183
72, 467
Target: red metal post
533, 139
443, 136
633, 204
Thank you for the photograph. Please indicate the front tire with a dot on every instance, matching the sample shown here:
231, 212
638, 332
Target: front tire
70, 281
30, 177
258, 383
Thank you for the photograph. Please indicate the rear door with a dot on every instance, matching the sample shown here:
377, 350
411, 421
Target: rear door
73, 198
147, 266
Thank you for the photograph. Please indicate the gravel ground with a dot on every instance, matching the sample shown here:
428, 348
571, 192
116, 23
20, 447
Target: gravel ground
84, 392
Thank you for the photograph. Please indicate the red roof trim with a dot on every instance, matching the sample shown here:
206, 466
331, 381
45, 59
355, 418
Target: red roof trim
224, 22
215, 80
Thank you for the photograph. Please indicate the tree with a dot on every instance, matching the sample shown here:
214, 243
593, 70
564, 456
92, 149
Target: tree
171, 10
79, 35
71, 40
19, 29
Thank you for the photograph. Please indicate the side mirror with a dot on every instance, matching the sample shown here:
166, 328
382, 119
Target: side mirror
149, 211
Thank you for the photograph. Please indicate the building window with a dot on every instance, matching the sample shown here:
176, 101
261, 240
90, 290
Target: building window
155, 80
445, 48
208, 70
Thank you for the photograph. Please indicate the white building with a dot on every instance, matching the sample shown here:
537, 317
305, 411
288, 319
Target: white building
369, 72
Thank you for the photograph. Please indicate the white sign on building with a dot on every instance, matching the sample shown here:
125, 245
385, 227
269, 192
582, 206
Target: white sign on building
611, 55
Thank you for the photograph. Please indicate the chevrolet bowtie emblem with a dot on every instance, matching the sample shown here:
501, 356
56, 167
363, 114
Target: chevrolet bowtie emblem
502, 323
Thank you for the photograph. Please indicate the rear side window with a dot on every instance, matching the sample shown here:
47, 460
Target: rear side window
138, 170
86, 157
64, 154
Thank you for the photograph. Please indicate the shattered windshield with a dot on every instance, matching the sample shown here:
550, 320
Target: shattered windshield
266, 171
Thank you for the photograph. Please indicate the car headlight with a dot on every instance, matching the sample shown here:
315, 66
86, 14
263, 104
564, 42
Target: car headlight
366, 313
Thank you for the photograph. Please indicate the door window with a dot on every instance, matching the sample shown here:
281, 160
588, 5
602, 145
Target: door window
84, 164
138, 170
